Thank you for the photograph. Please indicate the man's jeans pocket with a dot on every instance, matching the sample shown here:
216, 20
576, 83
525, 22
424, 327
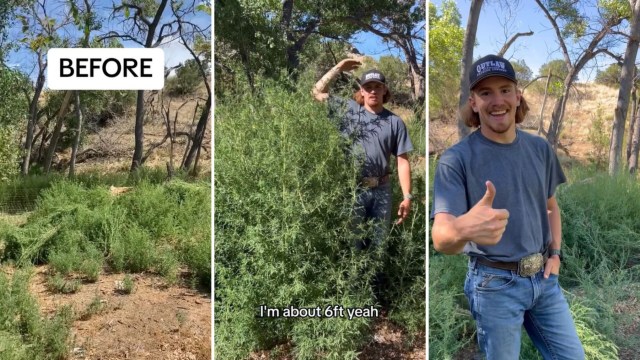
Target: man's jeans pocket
490, 281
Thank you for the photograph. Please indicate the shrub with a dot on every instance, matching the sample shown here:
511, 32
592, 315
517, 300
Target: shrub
128, 285
61, 285
187, 79
78, 229
25, 334
283, 195
95, 307
451, 327
599, 139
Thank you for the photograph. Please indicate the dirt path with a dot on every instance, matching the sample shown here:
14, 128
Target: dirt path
154, 322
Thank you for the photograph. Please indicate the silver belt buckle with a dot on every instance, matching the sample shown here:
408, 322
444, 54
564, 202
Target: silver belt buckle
530, 265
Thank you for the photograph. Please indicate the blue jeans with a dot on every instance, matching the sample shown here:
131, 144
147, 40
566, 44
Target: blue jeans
372, 205
501, 302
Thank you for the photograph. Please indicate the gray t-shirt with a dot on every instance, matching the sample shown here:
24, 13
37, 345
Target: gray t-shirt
525, 174
373, 137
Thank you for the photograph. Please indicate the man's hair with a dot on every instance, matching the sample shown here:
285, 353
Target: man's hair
472, 119
357, 96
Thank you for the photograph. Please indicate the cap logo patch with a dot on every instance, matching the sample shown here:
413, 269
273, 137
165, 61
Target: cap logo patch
372, 76
491, 66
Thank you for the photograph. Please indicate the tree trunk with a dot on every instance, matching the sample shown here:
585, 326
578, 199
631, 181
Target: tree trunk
51, 150
138, 132
626, 82
553, 133
31, 123
199, 135
138, 149
635, 146
76, 140
294, 49
467, 60
544, 102
632, 120
418, 83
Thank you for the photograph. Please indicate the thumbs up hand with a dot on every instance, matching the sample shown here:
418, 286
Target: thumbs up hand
483, 224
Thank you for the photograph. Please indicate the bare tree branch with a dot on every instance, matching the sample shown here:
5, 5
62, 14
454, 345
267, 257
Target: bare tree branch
508, 44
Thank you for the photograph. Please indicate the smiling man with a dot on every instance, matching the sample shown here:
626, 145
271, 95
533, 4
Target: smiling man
494, 200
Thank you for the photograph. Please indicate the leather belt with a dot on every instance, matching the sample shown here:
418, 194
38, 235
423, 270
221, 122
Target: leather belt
527, 266
373, 182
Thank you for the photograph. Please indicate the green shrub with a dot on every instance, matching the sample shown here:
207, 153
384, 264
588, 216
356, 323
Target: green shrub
24, 333
186, 81
128, 285
20, 194
283, 195
451, 327
95, 307
59, 284
600, 227
599, 138
78, 226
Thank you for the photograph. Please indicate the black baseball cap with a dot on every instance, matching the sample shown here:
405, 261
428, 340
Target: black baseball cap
372, 75
491, 65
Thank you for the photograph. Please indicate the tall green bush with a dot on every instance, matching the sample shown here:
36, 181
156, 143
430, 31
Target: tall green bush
283, 199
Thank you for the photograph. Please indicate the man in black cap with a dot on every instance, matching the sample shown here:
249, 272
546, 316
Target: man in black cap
494, 199
375, 133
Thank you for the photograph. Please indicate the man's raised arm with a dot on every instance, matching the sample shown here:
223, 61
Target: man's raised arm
321, 88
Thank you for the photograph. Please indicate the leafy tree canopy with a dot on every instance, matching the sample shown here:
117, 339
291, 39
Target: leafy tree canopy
445, 51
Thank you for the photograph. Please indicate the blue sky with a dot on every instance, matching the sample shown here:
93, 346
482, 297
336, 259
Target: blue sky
526, 16
175, 53
371, 45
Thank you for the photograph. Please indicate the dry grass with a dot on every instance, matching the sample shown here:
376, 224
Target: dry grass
111, 147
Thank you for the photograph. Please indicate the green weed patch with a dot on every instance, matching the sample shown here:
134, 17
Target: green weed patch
284, 190
24, 333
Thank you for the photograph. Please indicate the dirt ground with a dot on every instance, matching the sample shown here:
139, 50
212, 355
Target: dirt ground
154, 322
389, 343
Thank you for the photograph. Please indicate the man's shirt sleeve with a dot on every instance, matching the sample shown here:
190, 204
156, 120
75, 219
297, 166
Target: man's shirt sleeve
449, 188
403, 142
555, 173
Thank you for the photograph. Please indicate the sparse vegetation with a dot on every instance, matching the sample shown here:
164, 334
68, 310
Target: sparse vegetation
599, 135
128, 285
96, 306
